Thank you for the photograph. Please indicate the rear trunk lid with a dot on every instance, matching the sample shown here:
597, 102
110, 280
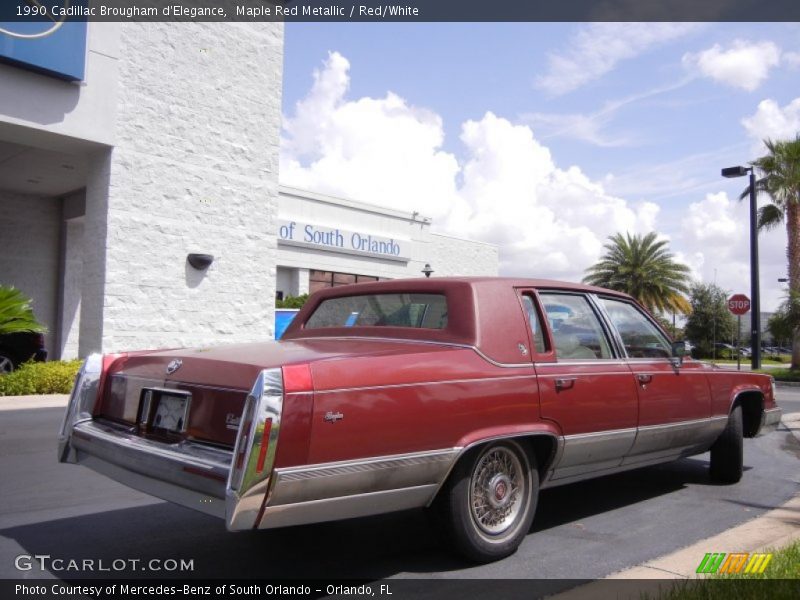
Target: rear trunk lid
204, 389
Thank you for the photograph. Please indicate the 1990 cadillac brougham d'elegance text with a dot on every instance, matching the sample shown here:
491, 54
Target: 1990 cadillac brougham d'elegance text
464, 395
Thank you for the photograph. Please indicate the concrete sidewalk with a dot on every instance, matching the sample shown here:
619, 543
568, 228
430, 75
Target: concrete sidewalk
775, 529
38, 401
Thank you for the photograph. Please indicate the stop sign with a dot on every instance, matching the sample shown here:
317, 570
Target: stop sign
738, 304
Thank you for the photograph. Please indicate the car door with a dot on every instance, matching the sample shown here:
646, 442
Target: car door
584, 384
674, 398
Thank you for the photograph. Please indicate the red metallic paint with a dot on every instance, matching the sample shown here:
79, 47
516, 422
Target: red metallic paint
672, 394
603, 397
424, 389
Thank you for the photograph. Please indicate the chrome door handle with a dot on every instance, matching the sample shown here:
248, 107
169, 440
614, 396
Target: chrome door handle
644, 379
565, 383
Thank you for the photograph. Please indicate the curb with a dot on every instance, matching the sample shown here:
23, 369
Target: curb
791, 384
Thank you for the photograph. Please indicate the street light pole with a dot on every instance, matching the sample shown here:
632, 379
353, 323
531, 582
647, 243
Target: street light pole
755, 302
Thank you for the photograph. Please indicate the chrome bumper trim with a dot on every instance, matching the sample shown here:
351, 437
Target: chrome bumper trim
187, 473
769, 420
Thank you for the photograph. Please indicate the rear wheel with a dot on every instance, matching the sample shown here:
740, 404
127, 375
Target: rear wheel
727, 453
490, 500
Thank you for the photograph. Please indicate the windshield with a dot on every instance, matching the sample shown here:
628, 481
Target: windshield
426, 311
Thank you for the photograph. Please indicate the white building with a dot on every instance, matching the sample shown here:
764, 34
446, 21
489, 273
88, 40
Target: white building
325, 241
157, 141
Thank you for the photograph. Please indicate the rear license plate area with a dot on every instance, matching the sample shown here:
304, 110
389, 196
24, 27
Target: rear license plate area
164, 412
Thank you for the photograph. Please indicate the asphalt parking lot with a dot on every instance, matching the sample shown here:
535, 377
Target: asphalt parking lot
585, 530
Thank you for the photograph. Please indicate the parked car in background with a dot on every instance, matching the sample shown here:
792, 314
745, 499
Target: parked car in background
466, 396
17, 348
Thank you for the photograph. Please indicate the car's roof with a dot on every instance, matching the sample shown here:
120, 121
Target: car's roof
484, 312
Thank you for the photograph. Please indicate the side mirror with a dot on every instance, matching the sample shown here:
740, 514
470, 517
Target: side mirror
678, 352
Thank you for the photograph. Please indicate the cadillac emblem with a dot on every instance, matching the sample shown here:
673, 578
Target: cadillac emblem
174, 365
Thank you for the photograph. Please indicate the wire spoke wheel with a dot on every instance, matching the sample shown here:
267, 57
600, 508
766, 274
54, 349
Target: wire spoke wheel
498, 490
489, 500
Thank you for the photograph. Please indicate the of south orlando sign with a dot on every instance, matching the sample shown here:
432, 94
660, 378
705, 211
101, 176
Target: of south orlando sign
334, 239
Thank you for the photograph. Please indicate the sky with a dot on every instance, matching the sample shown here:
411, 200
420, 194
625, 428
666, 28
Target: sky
546, 139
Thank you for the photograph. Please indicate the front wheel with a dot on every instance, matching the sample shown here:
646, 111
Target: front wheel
490, 501
727, 453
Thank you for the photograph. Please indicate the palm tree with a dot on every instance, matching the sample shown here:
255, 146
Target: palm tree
779, 173
643, 267
16, 314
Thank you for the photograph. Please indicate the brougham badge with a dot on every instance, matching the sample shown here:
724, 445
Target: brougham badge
174, 365
332, 417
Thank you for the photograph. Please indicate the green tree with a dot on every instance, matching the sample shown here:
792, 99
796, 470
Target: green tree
643, 267
784, 321
779, 327
710, 321
16, 314
779, 178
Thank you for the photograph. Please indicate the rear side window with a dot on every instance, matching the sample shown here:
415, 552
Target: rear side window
577, 332
639, 336
422, 311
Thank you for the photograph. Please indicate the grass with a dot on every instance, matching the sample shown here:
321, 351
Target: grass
54, 377
780, 580
781, 359
781, 374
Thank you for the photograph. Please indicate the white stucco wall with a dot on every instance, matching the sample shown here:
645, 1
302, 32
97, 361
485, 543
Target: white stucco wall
456, 256
29, 240
72, 278
194, 169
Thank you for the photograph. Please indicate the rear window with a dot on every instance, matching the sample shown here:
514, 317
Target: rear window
422, 311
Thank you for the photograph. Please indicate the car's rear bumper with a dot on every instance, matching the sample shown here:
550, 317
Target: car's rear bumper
190, 474
194, 474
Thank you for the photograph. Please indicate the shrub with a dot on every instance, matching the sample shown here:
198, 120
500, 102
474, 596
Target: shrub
54, 377
292, 301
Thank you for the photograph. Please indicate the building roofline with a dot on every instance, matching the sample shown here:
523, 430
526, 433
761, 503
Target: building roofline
413, 217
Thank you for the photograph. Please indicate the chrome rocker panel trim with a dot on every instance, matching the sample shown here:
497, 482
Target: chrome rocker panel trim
355, 488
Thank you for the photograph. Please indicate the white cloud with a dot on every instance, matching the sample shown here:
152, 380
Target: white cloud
549, 221
381, 150
588, 128
744, 65
770, 121
597, 48
591, 127
792, 59
714, 241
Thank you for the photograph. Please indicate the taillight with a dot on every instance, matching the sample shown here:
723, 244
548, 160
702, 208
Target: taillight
81, 401
254, 452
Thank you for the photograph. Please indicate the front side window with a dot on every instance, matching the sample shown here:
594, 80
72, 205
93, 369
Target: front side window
425, 311
640, 337
577, 332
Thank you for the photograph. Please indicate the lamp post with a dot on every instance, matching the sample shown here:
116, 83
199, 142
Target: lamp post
755, 302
